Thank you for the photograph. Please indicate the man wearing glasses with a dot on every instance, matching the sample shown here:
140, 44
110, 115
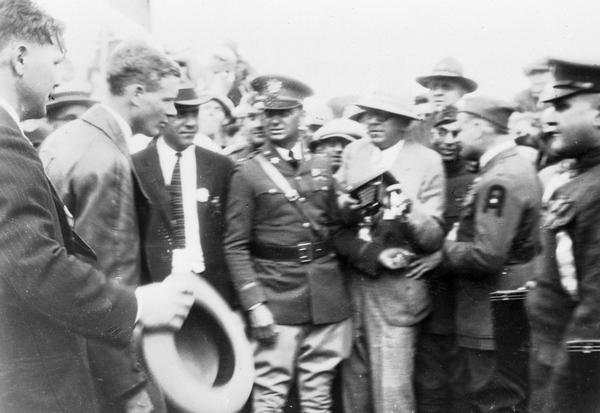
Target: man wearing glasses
388, 307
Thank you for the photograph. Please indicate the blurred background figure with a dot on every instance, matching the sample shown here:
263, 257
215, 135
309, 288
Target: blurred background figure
539, 76
526, 128
251, 134
316, 114
339, 104
423, 107
332, 138
214, 115
69, 103
447, 85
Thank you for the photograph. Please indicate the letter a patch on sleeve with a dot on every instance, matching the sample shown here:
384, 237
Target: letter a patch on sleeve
494, 202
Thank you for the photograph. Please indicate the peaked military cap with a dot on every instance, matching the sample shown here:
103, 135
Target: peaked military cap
448, 68
281, 92
492, 110
571, 78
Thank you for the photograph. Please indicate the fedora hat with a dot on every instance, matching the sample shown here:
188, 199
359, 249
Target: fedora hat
207, 366
388, 102
450, 69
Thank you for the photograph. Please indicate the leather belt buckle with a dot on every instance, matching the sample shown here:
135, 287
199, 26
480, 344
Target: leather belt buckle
305, 252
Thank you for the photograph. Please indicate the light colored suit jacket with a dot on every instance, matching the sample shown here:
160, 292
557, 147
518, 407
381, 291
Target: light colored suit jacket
420, 172
88, 162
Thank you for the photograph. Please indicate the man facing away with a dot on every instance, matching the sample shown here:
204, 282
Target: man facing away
52, 295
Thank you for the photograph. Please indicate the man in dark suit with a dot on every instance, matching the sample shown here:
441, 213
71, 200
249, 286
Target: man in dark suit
89, 163
204, 178
51, 293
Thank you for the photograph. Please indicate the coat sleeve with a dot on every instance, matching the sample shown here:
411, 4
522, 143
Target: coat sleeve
84, 181
239, 218
498, 210
36, 264
425, 221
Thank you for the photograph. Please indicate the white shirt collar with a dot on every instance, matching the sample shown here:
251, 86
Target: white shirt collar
495, 150
395, 147
123, 125
285, 153
163, 148
12, 112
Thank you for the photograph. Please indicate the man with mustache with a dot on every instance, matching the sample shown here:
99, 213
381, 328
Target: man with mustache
281, 219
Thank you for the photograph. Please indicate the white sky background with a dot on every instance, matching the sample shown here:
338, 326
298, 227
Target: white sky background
354, 46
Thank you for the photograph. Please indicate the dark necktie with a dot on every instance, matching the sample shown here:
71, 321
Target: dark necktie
177, 206
293, 161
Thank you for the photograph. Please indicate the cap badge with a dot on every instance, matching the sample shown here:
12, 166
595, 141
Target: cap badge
274, 87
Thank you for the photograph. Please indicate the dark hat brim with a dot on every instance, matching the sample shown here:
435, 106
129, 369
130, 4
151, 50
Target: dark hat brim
469, 84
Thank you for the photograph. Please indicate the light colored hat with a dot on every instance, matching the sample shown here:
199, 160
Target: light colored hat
448, 68
388, 102
340, 128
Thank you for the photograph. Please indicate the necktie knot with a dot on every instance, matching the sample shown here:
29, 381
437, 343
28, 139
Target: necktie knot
292, 159
178, 155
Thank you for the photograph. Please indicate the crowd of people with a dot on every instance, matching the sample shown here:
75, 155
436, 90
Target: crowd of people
387, 253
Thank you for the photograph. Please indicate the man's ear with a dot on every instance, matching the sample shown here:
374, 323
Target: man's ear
134, 92
18, 55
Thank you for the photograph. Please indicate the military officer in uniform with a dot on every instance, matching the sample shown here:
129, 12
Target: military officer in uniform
565, 303
496, 242
436, 343
281, 216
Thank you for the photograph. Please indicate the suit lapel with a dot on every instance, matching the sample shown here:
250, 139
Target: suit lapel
204, 172
102, 119
156, 189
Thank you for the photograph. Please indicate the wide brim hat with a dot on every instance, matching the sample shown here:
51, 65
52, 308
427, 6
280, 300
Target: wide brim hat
387, 102
448, 69
224, 101
346, 129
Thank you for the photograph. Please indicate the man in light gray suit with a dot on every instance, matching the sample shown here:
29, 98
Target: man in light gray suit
387, 306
